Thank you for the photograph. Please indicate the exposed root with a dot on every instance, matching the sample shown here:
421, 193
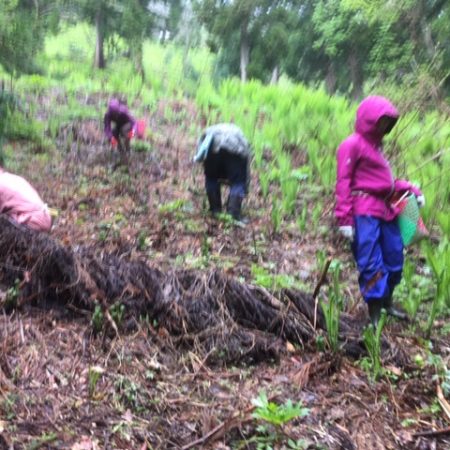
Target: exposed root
219, 317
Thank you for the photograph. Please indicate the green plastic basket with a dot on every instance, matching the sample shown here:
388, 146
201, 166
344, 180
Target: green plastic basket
409, 221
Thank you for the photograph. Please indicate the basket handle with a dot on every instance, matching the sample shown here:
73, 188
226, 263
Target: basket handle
402, 198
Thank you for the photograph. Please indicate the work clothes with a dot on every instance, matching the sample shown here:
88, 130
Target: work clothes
365, 188
365, 183
378, 251
20, 201
225, 154
227, 136
118, 115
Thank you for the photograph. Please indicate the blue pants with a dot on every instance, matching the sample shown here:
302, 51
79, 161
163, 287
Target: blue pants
236, 189
378, 251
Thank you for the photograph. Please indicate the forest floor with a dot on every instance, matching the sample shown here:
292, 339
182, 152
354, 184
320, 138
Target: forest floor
151, 394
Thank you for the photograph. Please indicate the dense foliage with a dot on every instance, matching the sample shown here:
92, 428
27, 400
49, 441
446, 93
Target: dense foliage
343, 44
340, 42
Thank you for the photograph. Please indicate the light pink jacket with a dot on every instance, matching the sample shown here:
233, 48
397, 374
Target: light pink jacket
364, 183
20, 201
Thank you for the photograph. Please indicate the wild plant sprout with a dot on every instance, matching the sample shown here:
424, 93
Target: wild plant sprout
264, 182
276, 414
276, 216
439, 261
97, 319
316, 213
94, 374
289, 189
301, 219
333, 307
372, 341
117, 312
410, 295
12, 295
257, 158
272, 417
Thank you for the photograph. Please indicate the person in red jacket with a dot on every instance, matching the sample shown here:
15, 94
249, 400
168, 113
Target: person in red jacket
119, 127
20, 201
365, 211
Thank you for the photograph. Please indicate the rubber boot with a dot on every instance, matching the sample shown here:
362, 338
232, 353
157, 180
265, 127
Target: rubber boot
215, 201
375, 307
234, 205
392, 311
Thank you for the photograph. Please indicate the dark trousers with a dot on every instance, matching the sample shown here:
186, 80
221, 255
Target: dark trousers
227, 167
123, 141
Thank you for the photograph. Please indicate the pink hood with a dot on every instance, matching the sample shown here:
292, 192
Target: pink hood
20, 201
119, 114
364, 183
369, 112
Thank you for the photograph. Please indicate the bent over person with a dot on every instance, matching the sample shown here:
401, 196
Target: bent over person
365, 208
119, 127
225, 154
20, 201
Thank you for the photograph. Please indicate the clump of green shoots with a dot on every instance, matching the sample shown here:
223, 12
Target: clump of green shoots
142, 241
275, 282
412, 301
117, 312
172, 206
274, 417
97, 319
439, 262
372, 341
276, 216
264, 182
332, 309
206, 248
140, 146
301, 219
12, 295
94, 374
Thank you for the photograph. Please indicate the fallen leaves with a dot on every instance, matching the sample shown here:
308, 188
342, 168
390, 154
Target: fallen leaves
86, 443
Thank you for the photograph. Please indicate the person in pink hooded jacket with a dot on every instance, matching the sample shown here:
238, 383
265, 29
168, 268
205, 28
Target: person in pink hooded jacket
119, 127
364, 209
20, 201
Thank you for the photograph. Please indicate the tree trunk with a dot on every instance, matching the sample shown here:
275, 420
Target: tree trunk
275, 75
163, 35
186, 48
428, 39
245, 51
99, 59
356, 76
330, 79
138, 55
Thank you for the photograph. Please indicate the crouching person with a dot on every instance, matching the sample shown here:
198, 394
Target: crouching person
20, 201
225, 154
119, 127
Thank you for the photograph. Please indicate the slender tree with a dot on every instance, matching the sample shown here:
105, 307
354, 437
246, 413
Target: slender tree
260, 29
134, 26
23, 24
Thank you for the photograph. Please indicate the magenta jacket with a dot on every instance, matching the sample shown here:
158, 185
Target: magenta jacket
118, 113
364, 183
20, 201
